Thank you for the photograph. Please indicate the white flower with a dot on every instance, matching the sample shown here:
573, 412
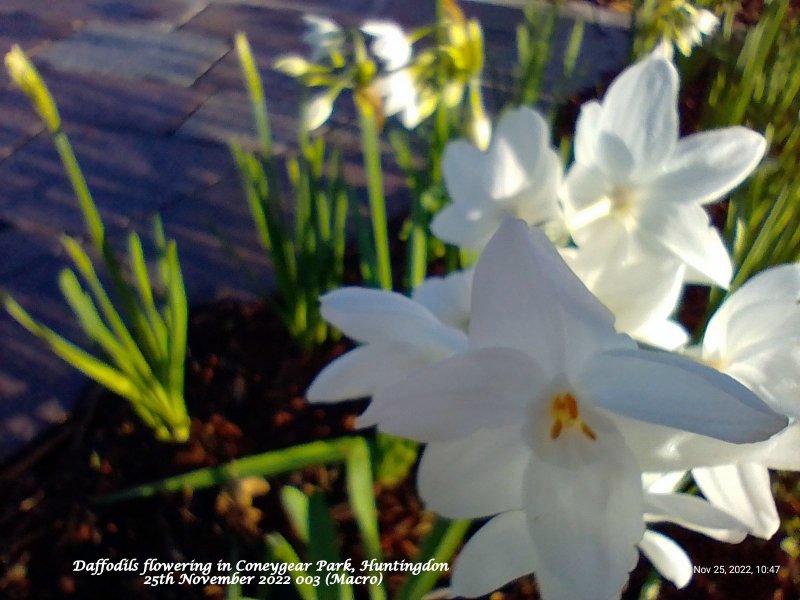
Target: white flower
390, 43
699, 23
662, 504
633, 180
317, 110
398, 336
518, 176
324, 36
755, 337
401, 96
520, 425
447, 297
641, 291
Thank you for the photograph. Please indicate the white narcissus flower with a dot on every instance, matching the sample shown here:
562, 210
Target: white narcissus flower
397, 335
755, 337
401, 96
633, 180
529, 410
518, 176
323, 35
700, 22
317, 110
641, 291
663, 504
390, 43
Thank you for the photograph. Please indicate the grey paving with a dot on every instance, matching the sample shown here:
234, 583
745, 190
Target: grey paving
150, 92
136, 52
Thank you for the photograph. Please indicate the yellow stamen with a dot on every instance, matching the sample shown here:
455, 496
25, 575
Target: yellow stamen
565, 413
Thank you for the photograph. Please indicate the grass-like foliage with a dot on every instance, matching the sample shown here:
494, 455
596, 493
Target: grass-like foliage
307, 250
142, 342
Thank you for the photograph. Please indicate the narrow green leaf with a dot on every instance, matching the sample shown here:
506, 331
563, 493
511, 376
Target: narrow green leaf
282, 551
275, 462
440, 545
255, 91
141, 279
295, 505
322, 544
90, 365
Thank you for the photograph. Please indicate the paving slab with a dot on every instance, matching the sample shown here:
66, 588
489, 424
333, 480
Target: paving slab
128, 174
135, 52
119, 104
36, 387
30, 30
18, 123
226, 116
169, 12
218, 246
20, 249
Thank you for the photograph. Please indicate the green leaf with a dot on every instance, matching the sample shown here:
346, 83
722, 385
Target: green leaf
295, 505
91, 366
282, 551
322, 543
440, 545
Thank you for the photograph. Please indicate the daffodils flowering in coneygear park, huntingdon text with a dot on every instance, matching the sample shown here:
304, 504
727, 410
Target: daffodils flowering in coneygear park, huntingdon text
524, 378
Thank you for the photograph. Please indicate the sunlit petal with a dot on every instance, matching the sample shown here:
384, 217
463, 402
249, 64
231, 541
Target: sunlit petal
667, 557
584, 508
669, 390
707, 165
744, 490
474, 476
483, 388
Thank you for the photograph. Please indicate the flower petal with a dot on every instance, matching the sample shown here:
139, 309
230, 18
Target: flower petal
367, 315
474, 476
777, 283
773, 373
524, 296
586, 132
743, 490
517, 152
660, 448
584, 186
667, 557
463, 169
696, 514
673, 391
358, 373
466, 228
639, 292
448, 298
583, 503
685, 232
781, 451
640, 111
706, 166
665, 334
489, 387
498, 553
391, 44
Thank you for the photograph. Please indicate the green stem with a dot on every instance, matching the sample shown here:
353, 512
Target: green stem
255, 91
377, 204
94, 224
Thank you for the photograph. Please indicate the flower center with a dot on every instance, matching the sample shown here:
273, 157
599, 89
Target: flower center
565, 413
623, 201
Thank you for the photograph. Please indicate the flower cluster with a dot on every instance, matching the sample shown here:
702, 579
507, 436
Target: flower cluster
377, 60
524, 377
